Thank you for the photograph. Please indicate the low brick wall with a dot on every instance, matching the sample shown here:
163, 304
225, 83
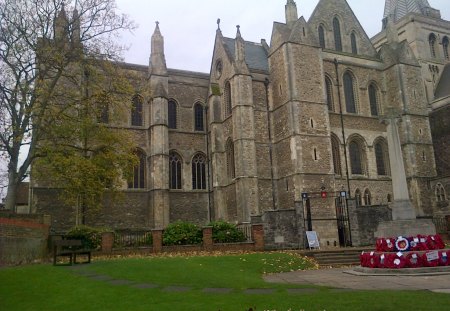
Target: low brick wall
22, 239
207, 245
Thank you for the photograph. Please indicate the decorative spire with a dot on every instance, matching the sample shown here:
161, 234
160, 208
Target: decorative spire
240, 46
218, 24
157, 58
61, 24
291, 13
400, 8
76, 27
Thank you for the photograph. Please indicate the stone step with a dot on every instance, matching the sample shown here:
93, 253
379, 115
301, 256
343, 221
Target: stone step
337, 257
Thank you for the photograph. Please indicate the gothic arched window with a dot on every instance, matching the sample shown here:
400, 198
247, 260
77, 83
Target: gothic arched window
172, 112
321, 36
349, 92
335, 149
367, 198
199, 172
329, 91
358, 198
174, 170
445, 47
440, 193
373, 100
353, 43
227, 98
138, 178
198, 117
337, 34
136, 110
432, 43
356, 158
382, 159
229, 149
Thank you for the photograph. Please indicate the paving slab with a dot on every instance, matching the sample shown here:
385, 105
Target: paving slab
178, 289
217, 290
120, 282
144, 285
260, 291
302, 290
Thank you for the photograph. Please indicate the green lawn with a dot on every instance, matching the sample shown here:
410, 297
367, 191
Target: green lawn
44, 287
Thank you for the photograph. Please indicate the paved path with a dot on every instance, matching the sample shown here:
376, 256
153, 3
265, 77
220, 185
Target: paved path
347, 279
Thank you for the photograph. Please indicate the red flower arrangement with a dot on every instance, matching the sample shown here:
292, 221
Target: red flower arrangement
412, 252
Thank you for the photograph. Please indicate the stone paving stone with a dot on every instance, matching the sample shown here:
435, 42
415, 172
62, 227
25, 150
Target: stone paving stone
217, 290
302, 290
144, 285
120, 282
259, 291
341, 290
178, 289
100, 277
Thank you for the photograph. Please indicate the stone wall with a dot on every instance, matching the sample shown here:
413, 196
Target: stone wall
22, 239
283, 229
364, 222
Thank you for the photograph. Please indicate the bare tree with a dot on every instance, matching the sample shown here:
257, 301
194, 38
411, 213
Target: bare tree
39, 44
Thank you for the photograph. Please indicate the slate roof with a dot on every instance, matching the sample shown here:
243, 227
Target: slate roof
400, 8
443, 87
255, 54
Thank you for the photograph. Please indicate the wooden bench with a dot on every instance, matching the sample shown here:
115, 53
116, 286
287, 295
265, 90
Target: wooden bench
70, 249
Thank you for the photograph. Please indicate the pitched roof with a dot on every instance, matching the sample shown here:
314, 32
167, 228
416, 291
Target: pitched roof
400, 8
443, 87
255, 54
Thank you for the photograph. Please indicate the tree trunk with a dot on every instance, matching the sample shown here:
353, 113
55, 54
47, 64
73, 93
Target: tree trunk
11, 194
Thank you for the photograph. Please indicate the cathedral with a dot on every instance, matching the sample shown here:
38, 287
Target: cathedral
287, 133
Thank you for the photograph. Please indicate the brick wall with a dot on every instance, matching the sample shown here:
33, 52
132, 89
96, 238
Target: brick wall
22, 240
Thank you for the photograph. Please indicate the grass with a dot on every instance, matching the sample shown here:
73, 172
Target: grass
44, 287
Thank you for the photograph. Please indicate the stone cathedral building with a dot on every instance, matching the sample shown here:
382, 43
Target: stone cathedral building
284, 131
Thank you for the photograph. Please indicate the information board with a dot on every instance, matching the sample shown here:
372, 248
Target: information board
313, 241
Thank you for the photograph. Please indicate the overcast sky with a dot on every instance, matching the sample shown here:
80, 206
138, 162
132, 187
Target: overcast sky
189, 26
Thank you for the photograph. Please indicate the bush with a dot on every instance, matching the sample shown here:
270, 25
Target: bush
224, 232
91, 238
182, 233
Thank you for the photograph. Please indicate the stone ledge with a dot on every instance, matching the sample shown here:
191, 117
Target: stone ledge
424, 271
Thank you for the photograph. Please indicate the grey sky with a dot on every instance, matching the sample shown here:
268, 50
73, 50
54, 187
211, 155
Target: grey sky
189, 26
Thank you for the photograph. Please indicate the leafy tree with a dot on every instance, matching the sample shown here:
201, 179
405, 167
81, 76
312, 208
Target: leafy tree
86, 153
39, 46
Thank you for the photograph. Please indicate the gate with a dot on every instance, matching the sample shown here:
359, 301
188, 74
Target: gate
343, 222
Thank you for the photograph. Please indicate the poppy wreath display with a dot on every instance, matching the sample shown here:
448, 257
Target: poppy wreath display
430, 259
402, 244
444, 258
390, 245
397, 261
414, 244
373, 260
380, 244
363, 259
414, 260
384, 261
435, 242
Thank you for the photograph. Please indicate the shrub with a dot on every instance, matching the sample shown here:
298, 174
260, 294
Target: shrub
224, 232
182, 233
91, 238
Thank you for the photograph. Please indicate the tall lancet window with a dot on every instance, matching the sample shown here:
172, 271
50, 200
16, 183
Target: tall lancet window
432, 43
445, 47
337, 34
321, 37
353, 42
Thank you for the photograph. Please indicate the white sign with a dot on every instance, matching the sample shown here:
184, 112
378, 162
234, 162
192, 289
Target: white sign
313, 241
432, 256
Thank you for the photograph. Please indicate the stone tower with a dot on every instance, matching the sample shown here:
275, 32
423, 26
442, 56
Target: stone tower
159, 132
